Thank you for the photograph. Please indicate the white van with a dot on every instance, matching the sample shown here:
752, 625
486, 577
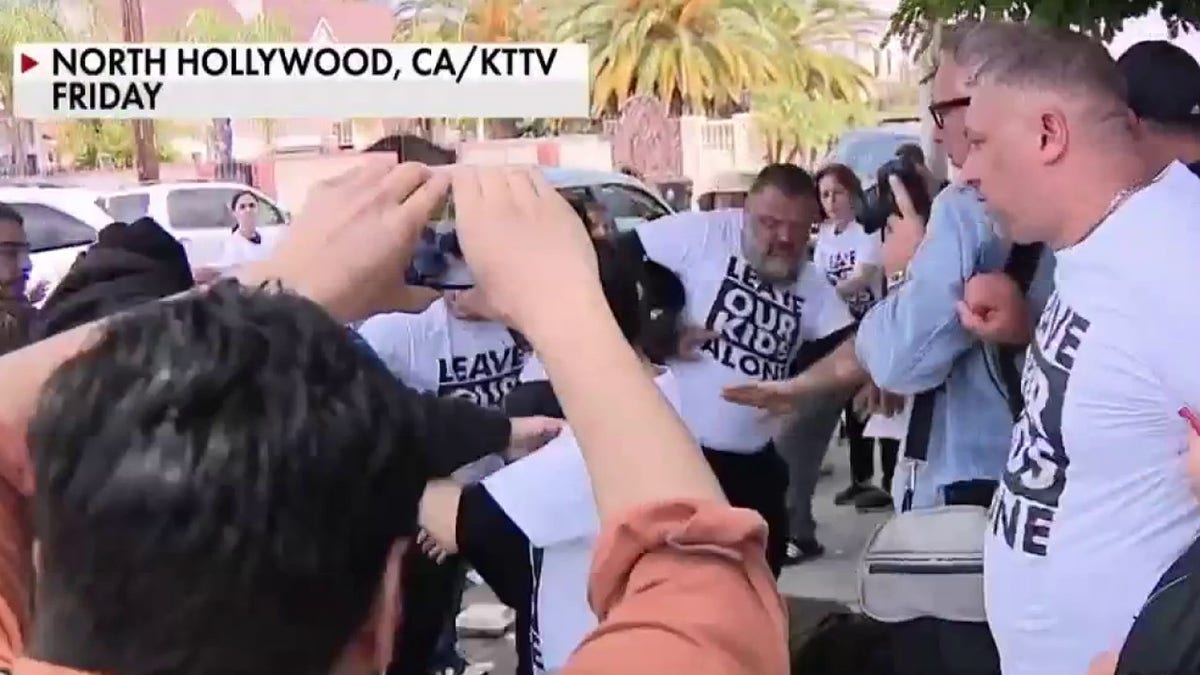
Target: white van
197, 213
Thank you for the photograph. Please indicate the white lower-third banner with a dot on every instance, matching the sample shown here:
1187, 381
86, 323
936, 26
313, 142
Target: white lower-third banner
283, 81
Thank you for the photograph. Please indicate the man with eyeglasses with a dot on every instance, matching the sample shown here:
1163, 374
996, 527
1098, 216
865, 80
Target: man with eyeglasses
914, 343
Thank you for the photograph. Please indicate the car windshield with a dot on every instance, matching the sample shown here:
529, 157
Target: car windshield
865, 152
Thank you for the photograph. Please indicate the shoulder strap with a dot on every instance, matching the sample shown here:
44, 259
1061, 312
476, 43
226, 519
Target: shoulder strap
1021, 267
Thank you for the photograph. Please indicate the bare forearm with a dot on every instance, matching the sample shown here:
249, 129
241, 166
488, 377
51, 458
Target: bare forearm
840, 370
636, 448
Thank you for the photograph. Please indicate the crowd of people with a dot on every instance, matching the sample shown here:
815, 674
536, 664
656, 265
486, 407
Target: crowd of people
287, 464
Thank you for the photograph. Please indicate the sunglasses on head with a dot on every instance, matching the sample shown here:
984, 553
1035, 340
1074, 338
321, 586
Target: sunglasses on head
938, 109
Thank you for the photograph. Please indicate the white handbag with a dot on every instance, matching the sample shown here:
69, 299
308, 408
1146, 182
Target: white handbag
925, 562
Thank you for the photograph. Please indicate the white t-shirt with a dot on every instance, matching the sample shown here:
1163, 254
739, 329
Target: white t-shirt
238, 250
761, 326
1094, 503
548, 494
436, 352
839, 254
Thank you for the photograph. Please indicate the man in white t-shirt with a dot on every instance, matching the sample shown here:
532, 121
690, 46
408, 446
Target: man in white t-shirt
1094, 504
450, 350
752, 300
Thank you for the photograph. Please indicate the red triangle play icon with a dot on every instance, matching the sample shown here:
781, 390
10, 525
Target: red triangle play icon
28, 63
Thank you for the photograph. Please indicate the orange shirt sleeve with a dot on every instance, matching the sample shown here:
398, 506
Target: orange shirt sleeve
16, 558
684, 587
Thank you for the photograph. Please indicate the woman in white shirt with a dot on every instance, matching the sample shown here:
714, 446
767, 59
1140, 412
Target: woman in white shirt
245, 243
850, 258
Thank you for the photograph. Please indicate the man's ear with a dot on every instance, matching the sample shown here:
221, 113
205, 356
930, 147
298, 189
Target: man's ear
372, 646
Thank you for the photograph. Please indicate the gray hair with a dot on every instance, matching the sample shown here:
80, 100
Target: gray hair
1032, 56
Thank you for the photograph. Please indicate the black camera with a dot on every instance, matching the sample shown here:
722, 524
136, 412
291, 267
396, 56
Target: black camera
881, 202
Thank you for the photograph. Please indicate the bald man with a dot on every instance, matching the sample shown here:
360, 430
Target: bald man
1095, 502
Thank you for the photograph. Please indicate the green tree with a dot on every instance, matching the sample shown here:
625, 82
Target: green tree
705, 55
99, 144
798, 127
22, 22
473, 21
207, 26
1100, 18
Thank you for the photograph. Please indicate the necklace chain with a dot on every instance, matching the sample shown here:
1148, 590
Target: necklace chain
1119, 199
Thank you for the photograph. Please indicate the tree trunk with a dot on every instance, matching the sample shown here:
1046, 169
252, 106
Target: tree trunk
221, 141
503, 128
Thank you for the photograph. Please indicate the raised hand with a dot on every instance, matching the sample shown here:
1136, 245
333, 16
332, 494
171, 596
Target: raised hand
523, 244
531, 433
350, 245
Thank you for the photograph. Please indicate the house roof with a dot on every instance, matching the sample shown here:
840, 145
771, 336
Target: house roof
348, 21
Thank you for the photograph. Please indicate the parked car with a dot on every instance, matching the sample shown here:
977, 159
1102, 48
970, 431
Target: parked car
61, 223
628, 200
865, 150
197, 213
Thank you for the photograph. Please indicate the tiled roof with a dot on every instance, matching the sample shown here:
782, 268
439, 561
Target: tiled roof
348, 21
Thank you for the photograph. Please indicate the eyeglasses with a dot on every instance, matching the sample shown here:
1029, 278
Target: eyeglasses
938, 109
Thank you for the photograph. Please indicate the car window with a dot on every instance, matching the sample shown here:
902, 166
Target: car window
208, 208
866, 153
575, 194
127, 208
629, 205
48, 228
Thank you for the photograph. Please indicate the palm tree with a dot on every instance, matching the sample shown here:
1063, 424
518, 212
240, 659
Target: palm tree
798, 127
814, 35
207, 26
22, 22
704, 55
694, 55
470, 21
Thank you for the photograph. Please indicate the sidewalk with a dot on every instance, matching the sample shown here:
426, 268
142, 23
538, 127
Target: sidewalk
844, 533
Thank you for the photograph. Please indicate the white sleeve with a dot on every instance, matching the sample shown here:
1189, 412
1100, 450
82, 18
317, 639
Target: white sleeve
871, 251
824, 312
674, 241
391, 337
548, 493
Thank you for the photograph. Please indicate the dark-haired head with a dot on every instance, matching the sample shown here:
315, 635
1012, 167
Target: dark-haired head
14, 254
224, 482
129, 264
412, 148
840, 192
780, 211
245, 211
621, 282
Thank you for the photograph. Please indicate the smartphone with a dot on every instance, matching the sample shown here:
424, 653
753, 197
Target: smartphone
438, 261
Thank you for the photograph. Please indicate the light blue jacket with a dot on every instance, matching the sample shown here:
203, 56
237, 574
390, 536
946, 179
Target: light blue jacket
912, 342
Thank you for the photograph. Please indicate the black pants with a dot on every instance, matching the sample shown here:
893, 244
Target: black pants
1165, 637
930, 646
428, 603
862, 452
757, 481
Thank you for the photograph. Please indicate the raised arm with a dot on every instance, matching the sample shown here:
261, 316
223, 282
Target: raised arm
909, 341
667, 528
